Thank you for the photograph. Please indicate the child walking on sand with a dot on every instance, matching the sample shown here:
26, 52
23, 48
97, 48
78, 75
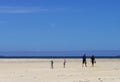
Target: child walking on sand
52, 64
64, 63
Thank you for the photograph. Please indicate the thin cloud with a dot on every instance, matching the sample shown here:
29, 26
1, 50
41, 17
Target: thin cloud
23, 10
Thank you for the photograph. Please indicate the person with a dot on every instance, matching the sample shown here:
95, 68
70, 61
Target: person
64, 63
84, 61
52, 64
93, 60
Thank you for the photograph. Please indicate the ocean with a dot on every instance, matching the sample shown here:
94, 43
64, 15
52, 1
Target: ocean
60, 54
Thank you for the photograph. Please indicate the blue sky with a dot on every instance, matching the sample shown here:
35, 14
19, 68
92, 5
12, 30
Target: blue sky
53, 25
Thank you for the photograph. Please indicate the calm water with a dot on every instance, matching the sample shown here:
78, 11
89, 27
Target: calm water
62, 54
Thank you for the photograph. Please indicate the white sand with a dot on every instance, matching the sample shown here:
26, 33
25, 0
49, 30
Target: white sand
38, 70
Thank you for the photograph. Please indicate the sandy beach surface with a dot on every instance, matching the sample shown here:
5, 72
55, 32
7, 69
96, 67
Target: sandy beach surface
39, 70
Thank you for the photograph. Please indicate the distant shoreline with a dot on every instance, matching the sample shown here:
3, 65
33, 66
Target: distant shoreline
56, 57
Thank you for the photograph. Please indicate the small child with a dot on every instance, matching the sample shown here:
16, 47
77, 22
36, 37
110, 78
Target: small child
52, 64
64, 63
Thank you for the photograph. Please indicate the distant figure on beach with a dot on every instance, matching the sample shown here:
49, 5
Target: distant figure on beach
84, 61
64, 63
52, 64
93, 60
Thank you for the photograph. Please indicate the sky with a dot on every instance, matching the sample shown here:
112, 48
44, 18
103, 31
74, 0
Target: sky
59, 25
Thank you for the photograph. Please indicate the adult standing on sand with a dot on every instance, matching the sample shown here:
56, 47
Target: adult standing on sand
52, 64
84, 60
93, 60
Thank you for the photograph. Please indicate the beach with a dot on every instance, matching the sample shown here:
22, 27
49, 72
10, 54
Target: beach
39, 70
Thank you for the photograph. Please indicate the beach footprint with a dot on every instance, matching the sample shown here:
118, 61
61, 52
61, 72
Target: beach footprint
100, 79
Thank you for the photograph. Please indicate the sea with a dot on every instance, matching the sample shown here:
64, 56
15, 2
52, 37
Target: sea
60, 54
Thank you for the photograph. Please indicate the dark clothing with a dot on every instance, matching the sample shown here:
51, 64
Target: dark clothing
52, 64
93, 59
84, 62
84, 59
